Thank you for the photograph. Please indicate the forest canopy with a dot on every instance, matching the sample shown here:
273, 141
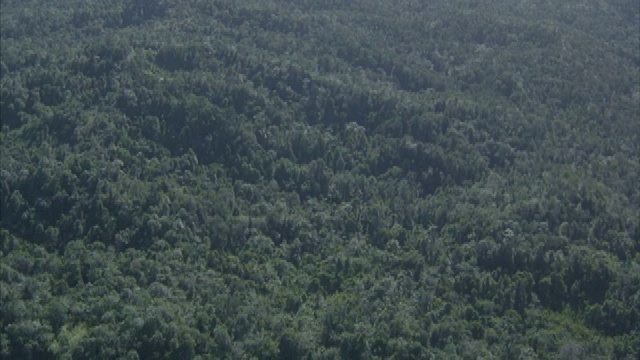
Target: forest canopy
293, 179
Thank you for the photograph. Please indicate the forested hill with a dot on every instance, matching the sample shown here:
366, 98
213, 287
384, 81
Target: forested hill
297, 179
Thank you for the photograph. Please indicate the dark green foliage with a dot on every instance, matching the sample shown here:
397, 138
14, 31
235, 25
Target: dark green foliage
319, 179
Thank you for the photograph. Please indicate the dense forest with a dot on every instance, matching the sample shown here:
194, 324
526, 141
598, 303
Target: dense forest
297, 179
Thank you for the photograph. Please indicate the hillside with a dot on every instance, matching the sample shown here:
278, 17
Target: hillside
295, 179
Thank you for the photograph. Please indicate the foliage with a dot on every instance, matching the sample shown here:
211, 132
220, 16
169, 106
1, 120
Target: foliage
316, 180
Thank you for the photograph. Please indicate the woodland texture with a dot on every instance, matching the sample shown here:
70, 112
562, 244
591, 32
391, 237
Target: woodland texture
295, 179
